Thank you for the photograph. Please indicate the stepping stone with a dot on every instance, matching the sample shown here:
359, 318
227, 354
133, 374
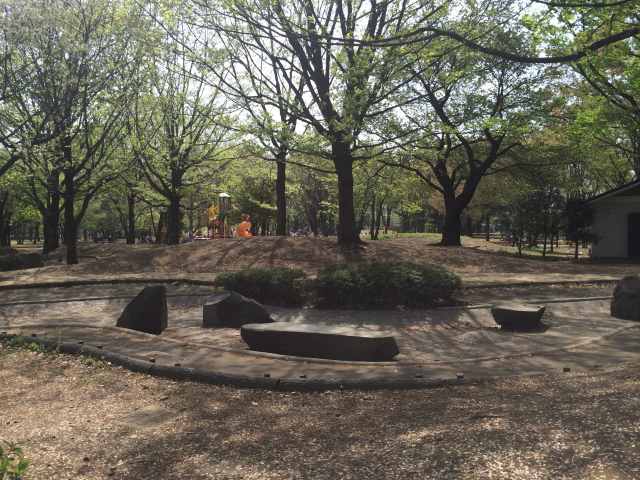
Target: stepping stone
518, 317
318, 341
232, 310
147, 312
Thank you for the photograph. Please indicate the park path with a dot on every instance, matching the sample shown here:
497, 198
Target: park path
437, 345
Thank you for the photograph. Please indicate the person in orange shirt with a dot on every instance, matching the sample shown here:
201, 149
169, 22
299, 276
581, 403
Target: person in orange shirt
244, 229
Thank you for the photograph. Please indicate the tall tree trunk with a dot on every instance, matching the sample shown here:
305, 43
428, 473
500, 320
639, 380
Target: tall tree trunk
348, 234
372, 222
487, 233
5, 221
160, 232
452, 226
281, 194
70, 227
51, 215
378, 219
36, 233
131, 217
174, 221
387, 220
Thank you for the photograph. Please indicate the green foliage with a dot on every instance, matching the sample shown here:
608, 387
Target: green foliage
25, 343
385, 284
275, 286
13, 465
20, 261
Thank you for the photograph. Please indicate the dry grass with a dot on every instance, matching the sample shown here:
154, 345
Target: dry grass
82, 420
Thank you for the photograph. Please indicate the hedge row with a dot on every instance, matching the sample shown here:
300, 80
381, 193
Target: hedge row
20, 261
381, 284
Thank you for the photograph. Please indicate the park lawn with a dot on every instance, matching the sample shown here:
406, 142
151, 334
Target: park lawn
83, 419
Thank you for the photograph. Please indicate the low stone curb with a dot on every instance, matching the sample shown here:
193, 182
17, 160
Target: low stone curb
180, 373
213, 378
109, 281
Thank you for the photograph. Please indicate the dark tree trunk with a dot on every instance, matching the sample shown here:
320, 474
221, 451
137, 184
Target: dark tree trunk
70, 227
372, 222
160, 231
452, 225
387, 220
5, 219
36, 233
51, 215
348, 234
378, 219
131, 217
281, 197
174, 221
487, 233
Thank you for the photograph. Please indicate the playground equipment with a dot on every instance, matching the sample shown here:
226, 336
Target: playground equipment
218, 217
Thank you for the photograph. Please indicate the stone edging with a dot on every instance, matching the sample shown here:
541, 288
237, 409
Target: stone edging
193, 281
242, 381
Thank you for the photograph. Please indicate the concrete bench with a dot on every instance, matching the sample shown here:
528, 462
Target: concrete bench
518, 317
305, 340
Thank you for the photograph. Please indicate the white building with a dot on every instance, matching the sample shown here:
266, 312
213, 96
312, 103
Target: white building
616, 222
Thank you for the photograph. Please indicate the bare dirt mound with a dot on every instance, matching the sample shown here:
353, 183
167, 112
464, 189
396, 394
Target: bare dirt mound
309, 254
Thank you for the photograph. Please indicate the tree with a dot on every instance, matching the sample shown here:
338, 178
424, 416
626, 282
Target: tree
85, 56
477, 110
339, 86
179, 127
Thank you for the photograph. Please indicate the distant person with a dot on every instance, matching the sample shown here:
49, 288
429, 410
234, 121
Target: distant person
244, 229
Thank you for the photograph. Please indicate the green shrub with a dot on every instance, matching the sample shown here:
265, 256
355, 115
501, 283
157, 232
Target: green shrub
12, 462
385, 284
20, 261
275, 286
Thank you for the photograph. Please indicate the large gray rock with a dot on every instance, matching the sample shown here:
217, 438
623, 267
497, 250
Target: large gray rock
518, 317
306, 340
147, 312
626, 298
230, 309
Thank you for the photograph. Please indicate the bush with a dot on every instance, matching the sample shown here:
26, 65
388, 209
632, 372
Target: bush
20, 261
275, 286
385, 284
12, 462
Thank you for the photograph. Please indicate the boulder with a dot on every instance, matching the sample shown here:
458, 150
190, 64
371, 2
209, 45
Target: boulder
626, 299
518, 317
147, 312
320, 341
230, 309
20, 261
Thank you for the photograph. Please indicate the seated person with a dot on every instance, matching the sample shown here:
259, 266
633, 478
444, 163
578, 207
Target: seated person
244, 229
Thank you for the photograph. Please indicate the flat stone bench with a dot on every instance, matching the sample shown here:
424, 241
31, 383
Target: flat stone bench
306, 340
518, 317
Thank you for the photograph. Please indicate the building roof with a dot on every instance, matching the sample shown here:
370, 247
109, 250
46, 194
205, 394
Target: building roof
631, 188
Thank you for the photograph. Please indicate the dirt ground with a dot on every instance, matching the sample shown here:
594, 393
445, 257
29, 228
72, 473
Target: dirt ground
310, 254
80, 419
